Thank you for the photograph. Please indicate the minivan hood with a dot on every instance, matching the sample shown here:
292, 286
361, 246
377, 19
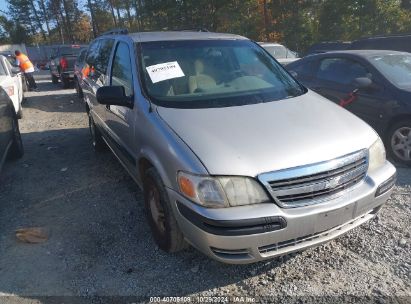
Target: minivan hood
4, 79
252, 139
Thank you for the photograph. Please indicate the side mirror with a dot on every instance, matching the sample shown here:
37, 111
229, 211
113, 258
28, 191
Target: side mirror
113, 95
362, 83
15, 70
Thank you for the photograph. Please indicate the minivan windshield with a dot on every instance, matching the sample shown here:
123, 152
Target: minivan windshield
396, 68
2, 68
212, 73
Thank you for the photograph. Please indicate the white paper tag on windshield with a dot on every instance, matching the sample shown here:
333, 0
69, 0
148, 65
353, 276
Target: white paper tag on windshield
164, 71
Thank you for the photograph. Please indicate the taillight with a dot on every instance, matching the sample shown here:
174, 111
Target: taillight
63, 63
9, 90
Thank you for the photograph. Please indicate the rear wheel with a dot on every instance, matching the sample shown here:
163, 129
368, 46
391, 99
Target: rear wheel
96, 139
65, 82
79, 91
399, 142
17, 149
54, 79
164, 227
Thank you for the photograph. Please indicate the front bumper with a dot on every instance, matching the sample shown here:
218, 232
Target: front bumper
246, 234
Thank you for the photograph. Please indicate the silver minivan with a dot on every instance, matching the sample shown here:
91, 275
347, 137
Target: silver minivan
234, 156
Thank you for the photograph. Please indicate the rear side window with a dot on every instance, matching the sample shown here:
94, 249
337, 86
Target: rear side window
341, 70
92, 53
97, 60
103, 57
121, 74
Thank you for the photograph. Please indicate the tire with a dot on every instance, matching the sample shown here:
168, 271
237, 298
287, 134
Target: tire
96, 138
399, 142
65, 82
159, 214
17, 149
79, 91
54, 79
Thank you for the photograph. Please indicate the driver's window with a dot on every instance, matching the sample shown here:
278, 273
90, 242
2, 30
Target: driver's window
121, 73
341, 70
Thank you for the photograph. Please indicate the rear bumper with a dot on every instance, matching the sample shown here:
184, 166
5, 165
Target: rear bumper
68, 75
247, 234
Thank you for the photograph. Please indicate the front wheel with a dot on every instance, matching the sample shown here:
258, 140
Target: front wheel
96, 138
160, 217
399, 142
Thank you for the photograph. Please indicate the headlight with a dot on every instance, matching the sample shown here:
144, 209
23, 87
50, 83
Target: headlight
220, 192
9, 90
376, 154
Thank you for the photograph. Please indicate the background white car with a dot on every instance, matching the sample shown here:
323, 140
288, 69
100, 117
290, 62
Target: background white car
12, 82
280, 52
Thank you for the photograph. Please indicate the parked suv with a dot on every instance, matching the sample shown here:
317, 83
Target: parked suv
399, 42
234, 156
62, 63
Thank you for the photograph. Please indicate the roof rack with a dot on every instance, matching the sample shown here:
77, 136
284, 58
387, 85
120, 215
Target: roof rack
385, 36
195, 30
116, 32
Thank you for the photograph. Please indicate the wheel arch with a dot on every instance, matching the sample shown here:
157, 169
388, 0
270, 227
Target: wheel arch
147, 161
394, 120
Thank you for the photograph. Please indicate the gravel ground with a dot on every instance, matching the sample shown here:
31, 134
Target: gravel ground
100, 245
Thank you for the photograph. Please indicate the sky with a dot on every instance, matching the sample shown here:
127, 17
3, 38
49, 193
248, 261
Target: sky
3, 5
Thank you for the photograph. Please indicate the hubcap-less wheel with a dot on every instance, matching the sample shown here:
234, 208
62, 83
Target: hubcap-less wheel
401, 143
157, 211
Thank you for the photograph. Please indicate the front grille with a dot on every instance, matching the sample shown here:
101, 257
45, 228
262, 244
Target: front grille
319, 236
314, 183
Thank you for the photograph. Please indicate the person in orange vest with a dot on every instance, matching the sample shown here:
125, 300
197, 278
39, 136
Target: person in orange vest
27, 68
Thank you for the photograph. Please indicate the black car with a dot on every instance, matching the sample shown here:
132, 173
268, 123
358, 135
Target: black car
11, 145
374, 85
392, 42
327, 46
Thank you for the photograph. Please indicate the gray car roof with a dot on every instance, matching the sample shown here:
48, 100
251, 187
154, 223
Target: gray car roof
182, 35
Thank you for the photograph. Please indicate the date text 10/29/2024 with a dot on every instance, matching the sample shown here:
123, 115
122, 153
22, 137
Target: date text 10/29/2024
205, 299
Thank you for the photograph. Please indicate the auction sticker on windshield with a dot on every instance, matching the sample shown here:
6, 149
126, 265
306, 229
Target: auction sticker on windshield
164, 71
